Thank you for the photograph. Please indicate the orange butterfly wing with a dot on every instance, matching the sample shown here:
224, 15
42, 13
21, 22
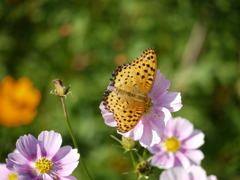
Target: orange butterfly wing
132, 82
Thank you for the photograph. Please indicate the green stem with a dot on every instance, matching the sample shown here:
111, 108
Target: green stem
73, 137
133, 159
144, 153
68, 123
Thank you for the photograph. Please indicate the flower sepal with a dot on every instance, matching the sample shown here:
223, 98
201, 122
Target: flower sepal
126, 143
60, 90
143, 169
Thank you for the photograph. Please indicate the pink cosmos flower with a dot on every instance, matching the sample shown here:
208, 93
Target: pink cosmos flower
178, 146
192, 173
150, 127
6, 174
43, 158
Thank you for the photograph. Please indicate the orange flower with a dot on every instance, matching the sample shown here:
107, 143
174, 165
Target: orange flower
18, 101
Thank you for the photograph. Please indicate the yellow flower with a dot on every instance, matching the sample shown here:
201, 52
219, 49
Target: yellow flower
18, 101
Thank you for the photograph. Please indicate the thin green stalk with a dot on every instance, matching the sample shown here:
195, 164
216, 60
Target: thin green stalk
144, 153
73, 137
133, 159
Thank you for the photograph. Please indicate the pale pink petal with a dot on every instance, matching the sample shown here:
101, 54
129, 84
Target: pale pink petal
62, 152
109, 120
197, 173
196, 156
155, 149
68, 178
160, 86
150, 127
191, 173
23, 144
16, 158
178, 128
162, 97
68, 169
146, 141
177, 173
163, 160
155, 139
158, 119
111, 88
51, 141
170, 100
146, 138
44, 177
4, 172
107, 116
194, 141
183, 128
72, 156
170, 130
25, 171
136, 133
212, 177
151, 135
69, 163
182, 159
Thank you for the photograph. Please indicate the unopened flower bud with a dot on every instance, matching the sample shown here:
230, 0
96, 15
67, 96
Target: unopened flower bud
60, 90
144, 168
128, 143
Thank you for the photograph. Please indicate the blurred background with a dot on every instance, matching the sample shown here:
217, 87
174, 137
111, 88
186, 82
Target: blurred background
81, 42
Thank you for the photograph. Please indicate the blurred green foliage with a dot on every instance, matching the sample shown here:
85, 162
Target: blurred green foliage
81, 42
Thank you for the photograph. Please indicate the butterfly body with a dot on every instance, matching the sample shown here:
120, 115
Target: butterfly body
128, 98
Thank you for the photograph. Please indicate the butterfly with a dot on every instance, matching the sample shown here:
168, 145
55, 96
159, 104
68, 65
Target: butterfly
127, 96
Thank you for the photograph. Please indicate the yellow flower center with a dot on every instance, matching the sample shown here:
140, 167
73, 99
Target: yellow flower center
172, 144
43, 165
12, 176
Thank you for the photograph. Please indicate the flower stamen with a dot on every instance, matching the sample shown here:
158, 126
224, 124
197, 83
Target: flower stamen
12, 176
172, 144
43, 165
